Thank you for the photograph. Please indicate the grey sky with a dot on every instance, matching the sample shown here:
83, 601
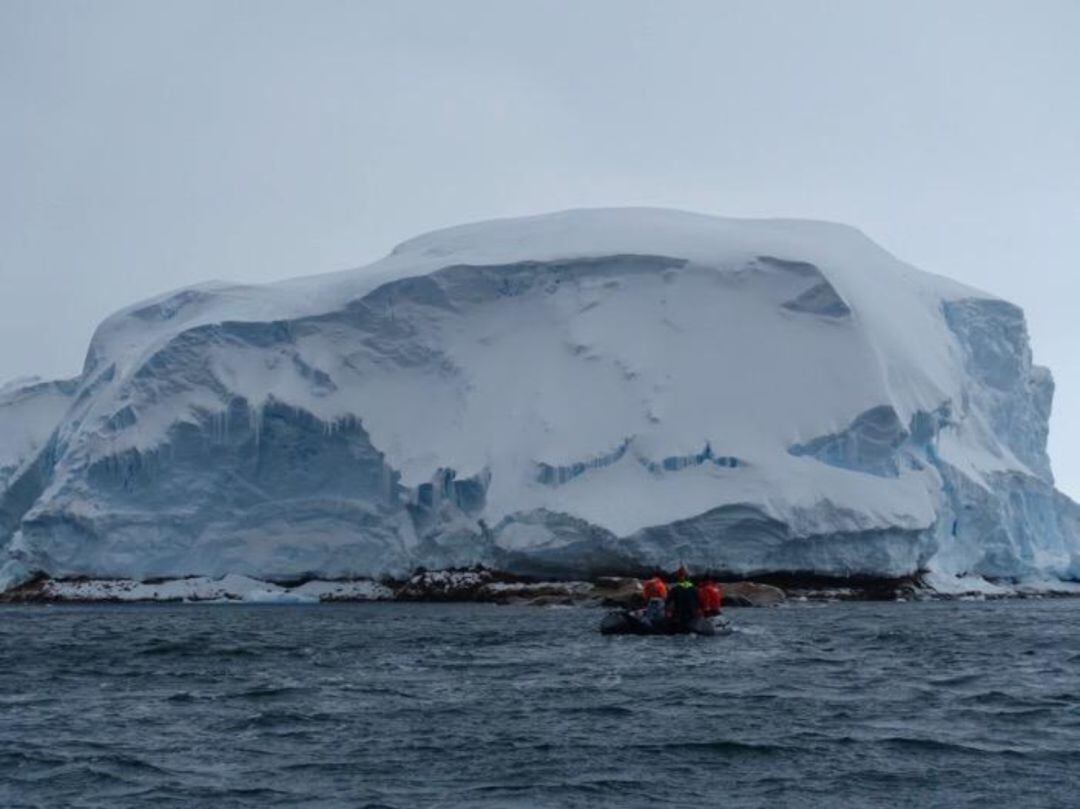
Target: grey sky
150, 145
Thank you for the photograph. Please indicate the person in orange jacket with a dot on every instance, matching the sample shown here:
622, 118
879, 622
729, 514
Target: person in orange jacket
710, 597
655, 593
654, 588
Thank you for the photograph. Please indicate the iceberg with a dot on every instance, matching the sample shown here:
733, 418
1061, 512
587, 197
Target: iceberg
580, 393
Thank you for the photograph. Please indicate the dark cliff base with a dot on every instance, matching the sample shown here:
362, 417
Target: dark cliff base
483, 585
852, 588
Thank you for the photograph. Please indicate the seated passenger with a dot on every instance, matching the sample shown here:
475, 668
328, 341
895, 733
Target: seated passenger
710, 598
655, 593
654, 588
682, 602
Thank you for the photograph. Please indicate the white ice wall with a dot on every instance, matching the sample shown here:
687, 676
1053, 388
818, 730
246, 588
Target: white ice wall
582, 391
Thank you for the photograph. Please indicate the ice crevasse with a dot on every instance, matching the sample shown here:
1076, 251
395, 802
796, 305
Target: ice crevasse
574, 393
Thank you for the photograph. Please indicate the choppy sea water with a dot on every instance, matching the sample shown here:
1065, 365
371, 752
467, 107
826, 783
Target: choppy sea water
890, 705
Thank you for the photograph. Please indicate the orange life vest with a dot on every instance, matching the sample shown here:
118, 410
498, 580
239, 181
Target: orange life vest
710, 598
654, 588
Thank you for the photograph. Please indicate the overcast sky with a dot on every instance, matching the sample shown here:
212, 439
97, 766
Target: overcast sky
150, 145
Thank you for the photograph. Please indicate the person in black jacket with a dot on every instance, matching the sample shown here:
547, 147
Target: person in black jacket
682, 602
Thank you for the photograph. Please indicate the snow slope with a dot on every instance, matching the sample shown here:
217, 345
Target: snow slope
581, 391
31, 410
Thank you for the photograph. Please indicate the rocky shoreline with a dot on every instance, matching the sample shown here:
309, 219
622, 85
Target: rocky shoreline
483, 585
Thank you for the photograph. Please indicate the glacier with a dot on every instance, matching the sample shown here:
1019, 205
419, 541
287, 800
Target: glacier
572, 394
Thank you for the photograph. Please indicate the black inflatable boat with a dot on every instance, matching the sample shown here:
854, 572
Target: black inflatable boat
633, 622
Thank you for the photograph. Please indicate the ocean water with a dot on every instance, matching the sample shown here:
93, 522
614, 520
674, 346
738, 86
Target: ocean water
862, 705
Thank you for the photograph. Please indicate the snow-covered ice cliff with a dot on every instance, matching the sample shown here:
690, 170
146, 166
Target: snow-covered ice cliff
593, 390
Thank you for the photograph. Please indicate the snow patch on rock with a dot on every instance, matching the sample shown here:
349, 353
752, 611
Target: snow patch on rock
226, 589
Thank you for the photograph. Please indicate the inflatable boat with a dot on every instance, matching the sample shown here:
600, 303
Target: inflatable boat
633, 622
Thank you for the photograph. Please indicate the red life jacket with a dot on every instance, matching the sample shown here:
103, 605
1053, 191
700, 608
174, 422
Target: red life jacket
654, 588
710, 598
